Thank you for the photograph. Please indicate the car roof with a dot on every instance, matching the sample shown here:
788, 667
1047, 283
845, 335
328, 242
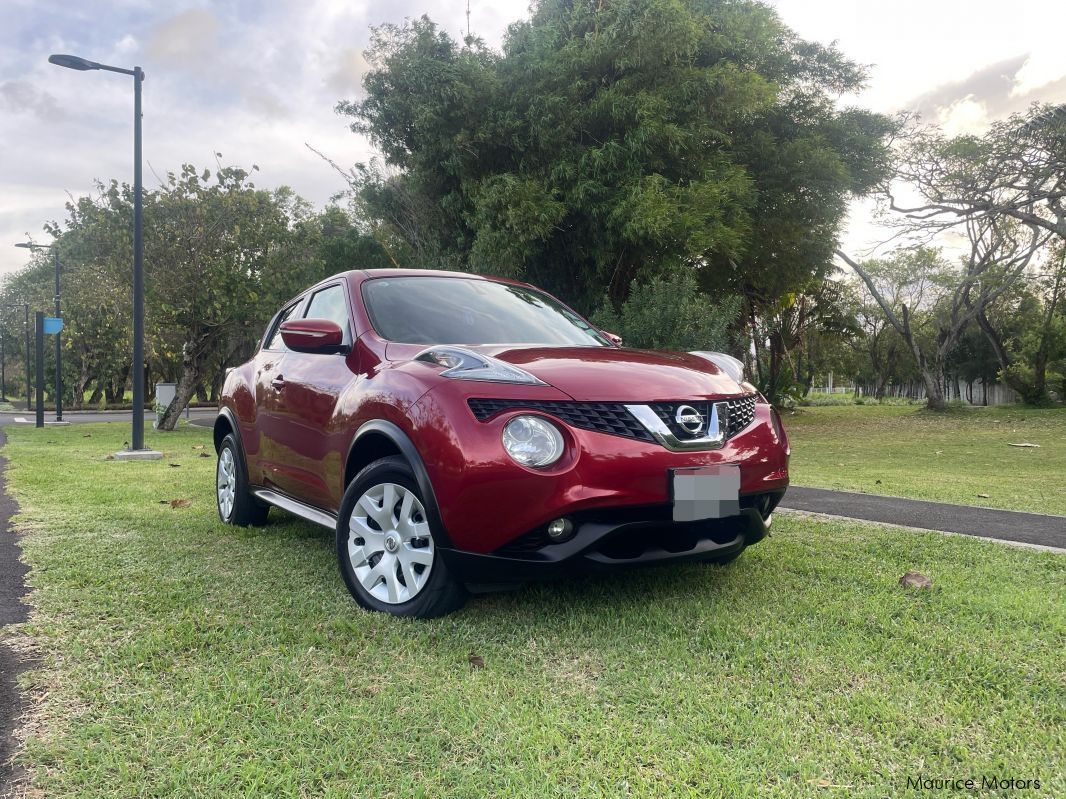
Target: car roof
359, 275
371, 274
355, 277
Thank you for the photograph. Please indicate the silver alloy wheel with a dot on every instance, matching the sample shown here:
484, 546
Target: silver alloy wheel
389, 543
226, 482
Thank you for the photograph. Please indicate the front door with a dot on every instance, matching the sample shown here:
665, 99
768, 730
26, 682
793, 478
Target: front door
313, 467
267, 454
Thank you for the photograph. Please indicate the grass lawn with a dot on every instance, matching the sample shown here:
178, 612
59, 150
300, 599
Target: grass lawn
955, 456
184, 658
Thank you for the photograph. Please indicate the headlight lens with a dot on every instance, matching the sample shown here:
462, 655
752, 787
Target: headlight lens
462, 364
532, 441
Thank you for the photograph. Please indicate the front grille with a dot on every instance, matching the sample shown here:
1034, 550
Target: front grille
602, 417
741, 414
613, 418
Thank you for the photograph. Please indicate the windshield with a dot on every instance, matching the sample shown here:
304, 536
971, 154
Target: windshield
449, 310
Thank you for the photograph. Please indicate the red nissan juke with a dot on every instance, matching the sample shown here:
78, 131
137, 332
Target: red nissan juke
459, 431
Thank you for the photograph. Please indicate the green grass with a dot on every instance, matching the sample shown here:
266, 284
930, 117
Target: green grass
180, 657
953, 456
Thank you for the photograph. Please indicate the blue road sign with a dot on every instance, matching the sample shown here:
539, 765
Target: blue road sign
52, 325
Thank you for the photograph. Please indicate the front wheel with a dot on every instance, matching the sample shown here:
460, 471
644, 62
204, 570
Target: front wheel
236, 505
386, 549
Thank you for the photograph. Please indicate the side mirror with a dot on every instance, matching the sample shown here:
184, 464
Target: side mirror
614, 337
312, 335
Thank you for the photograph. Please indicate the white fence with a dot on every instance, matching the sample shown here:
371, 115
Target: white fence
976, 392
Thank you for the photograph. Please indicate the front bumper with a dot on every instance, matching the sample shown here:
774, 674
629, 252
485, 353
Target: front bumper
487, 501
617, 538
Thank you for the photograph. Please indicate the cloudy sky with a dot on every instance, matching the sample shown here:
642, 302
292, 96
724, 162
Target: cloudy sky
257, 79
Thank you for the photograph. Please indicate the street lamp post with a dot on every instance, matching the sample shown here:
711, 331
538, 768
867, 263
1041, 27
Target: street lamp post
59, 314
81, 64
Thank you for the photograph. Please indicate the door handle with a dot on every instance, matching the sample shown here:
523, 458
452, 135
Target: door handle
278, 382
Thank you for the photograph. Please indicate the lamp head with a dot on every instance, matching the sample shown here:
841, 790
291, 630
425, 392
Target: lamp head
72, 62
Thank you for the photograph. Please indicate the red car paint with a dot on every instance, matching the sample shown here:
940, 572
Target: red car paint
298, 413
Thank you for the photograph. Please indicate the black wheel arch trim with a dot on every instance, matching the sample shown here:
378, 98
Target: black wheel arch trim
235, 430
410, 453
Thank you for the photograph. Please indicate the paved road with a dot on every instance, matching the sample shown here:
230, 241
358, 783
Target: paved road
1027, 528
81, 417
12, 611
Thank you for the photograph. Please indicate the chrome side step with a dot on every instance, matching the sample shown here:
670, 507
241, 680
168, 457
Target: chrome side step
327, 520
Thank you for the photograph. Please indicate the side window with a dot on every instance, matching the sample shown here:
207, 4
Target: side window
330, 303
274, 341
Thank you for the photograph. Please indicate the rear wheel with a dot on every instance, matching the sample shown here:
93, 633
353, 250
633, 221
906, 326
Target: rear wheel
386, 548
236, 504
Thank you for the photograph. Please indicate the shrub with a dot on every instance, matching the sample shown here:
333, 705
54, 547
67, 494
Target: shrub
670, 313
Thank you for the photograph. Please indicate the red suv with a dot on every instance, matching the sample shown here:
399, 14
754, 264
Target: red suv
458, 432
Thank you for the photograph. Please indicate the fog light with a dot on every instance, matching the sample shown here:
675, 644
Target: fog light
560, 530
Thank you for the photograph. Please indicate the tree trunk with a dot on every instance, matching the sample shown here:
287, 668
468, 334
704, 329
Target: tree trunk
183, 392
216, 385
1040, 361
879, 387
78, 391
777, 358
1006, 374
933, 380
191, 375
808, 379
755, 345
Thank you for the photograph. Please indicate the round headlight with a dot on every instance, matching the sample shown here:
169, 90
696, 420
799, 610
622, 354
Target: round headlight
532, 441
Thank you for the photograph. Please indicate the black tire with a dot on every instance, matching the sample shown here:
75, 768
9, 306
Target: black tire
245, 509
441, 593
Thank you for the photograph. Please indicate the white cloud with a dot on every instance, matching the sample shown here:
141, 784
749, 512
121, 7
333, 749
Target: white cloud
964, 116
962, 63
186, 38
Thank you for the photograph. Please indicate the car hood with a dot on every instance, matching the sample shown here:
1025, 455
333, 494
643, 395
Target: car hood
609, 374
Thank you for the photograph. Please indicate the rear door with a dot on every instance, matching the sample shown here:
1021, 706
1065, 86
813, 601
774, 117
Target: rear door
314, 441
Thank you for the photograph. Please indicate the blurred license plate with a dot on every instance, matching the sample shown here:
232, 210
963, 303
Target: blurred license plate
705, 492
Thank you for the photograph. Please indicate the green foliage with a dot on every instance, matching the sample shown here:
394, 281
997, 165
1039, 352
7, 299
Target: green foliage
670, 313
220, 257
615, 142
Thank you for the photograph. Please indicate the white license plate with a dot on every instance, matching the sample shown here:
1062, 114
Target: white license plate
705, 492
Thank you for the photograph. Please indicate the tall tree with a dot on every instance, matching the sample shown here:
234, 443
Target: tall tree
613, 142
1023, 329
219, 254
1000, 252
1016, 170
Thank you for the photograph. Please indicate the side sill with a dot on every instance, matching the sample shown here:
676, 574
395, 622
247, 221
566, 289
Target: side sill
327, 520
